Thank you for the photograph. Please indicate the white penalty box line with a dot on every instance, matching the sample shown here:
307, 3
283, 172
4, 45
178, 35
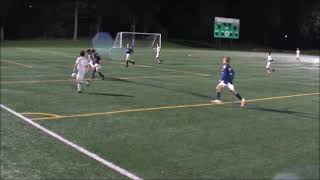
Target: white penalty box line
74, 146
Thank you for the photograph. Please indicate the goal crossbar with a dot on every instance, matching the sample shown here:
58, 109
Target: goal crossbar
120, 38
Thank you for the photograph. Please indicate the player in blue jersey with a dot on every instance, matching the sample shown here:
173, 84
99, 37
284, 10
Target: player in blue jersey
226, 80
97, 64
129, 52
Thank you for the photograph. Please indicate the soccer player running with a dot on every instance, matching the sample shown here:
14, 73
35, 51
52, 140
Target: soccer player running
97, 62
158, 49
90, 58
129, 52
269, 62
226, 80
81, 66
298, 54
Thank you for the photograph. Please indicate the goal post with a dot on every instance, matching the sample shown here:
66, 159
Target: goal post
137, 39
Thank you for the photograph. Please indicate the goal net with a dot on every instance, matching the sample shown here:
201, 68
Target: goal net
137, 40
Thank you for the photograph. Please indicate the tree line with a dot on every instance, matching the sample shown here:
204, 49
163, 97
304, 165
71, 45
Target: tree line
263, 23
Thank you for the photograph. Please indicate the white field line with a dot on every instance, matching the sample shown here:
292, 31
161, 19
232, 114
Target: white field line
138, 65
46, 51
73, 145
12, 62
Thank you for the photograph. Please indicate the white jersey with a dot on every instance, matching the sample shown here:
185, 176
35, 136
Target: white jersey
269, 58
82, 64
298, 53
158, 52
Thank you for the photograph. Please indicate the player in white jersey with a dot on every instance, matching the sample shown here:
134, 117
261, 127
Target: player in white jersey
81, 66
298, 54
90, 58
158, 49
269, 62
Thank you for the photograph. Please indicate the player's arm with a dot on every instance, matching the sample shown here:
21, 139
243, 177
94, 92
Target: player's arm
100, 59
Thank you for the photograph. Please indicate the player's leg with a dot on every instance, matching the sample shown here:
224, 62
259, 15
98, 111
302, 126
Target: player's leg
93, 73
268, 67
131, 61
80, 80
232, 89
219, 88
127, 60
158, 58
271, 67
93, 70
98, 68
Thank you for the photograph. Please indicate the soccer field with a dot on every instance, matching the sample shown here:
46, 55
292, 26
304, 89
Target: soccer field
155, 120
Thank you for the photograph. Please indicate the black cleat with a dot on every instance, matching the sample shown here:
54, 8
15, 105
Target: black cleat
79, 91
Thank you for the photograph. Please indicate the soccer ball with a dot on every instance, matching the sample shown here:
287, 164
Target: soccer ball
73, 75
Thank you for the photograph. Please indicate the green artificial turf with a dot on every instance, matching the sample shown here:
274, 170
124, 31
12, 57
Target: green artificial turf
266, 138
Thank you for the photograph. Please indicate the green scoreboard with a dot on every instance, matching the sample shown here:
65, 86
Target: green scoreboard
226, 28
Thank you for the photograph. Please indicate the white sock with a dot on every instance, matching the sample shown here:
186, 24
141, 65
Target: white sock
79, 86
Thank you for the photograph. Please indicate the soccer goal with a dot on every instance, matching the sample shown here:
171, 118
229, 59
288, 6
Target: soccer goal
137, 39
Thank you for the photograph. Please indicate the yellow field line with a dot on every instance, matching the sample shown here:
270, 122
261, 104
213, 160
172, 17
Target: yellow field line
19, 64
35, 81
169, 107
124, 78
39, 113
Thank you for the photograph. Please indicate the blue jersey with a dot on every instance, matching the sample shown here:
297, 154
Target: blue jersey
227, 74
97, 58
129, 50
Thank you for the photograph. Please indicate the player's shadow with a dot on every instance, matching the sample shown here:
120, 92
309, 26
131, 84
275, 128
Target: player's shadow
171, 89
117, 79
108, 94
301, 114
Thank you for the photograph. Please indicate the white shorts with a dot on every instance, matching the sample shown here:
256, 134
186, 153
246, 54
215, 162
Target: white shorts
268, 65
91, 64
80, 75
158, 54
97, 67
128, 56
228, 85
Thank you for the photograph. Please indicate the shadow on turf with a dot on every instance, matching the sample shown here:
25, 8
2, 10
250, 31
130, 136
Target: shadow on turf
301, 114
117, 79
160, 87
171, 89
108, 94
